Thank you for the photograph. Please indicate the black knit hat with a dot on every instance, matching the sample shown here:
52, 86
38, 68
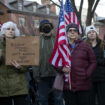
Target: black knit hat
44, 22
72, 25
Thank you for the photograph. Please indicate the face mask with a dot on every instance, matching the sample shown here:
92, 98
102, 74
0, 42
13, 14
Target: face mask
46, 29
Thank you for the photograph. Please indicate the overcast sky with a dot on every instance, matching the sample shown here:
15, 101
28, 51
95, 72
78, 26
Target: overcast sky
99, 10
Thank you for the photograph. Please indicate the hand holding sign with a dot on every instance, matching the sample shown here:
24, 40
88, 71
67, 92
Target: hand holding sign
23, 50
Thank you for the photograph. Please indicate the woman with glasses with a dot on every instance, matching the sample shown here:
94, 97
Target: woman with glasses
83, 63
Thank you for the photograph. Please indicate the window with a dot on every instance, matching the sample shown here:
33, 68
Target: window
97, 28
47, 10
36, 23
34, 8
21, 21
20, 7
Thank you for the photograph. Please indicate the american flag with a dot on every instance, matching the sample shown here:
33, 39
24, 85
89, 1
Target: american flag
70, 16
61, 54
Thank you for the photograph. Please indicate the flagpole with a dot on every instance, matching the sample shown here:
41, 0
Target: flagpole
70, 80
69, 74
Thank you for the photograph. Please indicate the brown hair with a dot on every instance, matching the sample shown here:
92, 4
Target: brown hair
97, 39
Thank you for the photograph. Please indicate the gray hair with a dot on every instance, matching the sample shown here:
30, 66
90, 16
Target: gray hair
7, 25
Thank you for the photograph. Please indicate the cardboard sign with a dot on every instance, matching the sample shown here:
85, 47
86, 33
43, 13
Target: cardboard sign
23, 49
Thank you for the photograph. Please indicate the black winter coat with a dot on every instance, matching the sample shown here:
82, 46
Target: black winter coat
99, 73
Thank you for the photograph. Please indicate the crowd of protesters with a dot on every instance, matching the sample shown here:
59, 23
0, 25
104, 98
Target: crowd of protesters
87, 70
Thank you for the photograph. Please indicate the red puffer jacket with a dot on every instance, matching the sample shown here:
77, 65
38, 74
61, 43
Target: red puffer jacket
83, 63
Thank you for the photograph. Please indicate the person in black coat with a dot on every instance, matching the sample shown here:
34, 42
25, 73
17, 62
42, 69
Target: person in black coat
99, 74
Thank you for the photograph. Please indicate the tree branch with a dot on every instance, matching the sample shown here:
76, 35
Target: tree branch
59, 1
55, 3
95, 7
81, 6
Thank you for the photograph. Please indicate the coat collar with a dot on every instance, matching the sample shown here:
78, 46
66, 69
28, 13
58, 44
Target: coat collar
78, 41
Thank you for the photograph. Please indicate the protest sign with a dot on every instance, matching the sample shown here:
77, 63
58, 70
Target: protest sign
24, 50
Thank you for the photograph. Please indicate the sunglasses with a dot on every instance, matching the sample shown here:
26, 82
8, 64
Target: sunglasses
72, 30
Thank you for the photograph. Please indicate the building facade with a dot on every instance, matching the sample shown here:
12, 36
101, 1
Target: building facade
27, 15
100, 25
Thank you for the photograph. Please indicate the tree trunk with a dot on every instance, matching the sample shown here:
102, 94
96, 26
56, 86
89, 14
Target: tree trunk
89, 17
91, 10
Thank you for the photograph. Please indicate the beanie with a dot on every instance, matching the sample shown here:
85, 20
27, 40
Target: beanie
72, 25
89, 28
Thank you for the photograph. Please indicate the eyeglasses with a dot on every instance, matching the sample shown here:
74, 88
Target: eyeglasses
72, 30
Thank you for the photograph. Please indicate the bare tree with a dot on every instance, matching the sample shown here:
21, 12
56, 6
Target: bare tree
91, 9
92, 4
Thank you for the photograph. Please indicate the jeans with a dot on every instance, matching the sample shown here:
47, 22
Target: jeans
45, 88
